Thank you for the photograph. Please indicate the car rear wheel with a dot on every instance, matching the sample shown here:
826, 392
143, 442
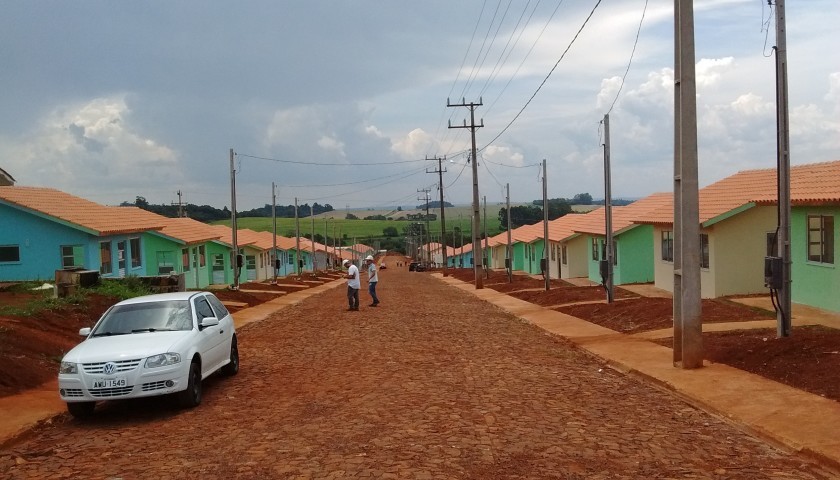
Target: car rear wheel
81, 409
191, 397
232, 368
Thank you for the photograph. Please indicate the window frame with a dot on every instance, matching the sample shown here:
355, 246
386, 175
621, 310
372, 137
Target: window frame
76, 256
824, 230
106, 267
14, 250
704, 250
136, 252
666, 250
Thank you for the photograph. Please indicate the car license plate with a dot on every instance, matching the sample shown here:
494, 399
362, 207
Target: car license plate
109, 383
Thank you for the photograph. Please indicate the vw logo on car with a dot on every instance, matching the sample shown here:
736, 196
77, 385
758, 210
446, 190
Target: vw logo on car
109, 368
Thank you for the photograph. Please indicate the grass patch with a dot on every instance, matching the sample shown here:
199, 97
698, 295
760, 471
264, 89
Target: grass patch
42, 300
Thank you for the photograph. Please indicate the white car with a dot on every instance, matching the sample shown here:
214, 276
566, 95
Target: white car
151, 345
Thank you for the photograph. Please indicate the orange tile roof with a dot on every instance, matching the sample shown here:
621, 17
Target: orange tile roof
188, 230
812, 184
623, 217
99, 219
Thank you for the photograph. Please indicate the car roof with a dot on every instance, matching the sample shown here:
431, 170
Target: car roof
161, 297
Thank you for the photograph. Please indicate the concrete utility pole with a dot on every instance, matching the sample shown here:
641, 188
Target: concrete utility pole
440, 171
783, 316
546, 273
235, 258
326, 243
688, 329
314, 262
608, 246
425, 192
486, 249
478, 258
181, 213
274, 231
508, 252
298, 256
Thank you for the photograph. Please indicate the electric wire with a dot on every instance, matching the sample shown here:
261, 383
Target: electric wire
356, 191
478, 55
492, 42
500, 62
328, 164
349, 183
585, 22
629, 62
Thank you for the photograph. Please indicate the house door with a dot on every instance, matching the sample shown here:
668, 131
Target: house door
218, 269
251, 267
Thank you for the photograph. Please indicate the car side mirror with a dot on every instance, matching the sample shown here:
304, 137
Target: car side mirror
208, 322
84, 331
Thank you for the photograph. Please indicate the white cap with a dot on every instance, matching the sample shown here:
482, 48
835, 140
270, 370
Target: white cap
345, 262
369, 257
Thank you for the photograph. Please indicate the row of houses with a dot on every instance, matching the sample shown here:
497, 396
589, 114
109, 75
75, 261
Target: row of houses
738, 228
43, 230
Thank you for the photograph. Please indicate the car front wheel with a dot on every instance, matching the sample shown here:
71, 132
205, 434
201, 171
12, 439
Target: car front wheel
232, 368
81, 409
191, 397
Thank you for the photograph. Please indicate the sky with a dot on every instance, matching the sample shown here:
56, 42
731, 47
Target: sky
342, 102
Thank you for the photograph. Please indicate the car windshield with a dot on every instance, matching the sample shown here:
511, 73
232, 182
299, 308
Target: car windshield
145, 317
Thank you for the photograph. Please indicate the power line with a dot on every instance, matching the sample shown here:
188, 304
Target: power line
547, 76
327, 164
347, 183
635, 42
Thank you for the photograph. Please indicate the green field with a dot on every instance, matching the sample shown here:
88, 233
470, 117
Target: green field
359, 229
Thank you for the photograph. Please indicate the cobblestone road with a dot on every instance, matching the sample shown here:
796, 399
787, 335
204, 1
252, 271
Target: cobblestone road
432, 384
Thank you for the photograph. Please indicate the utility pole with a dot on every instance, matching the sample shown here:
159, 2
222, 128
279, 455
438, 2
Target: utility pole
425, 192
314, 262
478, 258
688, 329
607, 271
326, 244
783, 315
181, 213
486, 250
546, 273
508, 252
235, 258
274, 231
440, 171
298, 256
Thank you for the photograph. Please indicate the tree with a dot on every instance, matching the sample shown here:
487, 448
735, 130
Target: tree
390, 232
350, 216
582, 199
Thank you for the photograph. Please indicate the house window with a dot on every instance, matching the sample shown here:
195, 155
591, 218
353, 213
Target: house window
165, 262
291, 259
72, 256
553, 253
9, 253
821, 238
105, 265
668, 245
185, 259
704, 250
134, 245
564, 255
615, 251
594, 249
202, 258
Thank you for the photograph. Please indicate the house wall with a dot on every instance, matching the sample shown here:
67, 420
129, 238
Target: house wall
519, 261
577, 252
537, 253
221, 274
635, 256
737, 247
813, 283
153, 245
663, 270
39, 242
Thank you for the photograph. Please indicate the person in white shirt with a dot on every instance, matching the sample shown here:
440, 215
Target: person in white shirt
373, 279
353, 285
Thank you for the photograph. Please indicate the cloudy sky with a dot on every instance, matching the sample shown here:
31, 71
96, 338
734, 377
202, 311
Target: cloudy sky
340, 102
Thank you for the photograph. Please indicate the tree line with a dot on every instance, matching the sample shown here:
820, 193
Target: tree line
206, 213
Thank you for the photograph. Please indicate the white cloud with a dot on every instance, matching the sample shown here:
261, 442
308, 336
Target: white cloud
415, 144
710, 70
332, 144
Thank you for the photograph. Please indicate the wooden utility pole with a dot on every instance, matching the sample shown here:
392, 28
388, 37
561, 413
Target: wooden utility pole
688, 329
608, 245
478, 258
440, 171
235, 257
425, 198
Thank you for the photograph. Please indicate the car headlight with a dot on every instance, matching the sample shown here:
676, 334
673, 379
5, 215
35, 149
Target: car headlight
162, 360
68, 367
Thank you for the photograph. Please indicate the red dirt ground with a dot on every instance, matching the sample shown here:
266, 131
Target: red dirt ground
644, 314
